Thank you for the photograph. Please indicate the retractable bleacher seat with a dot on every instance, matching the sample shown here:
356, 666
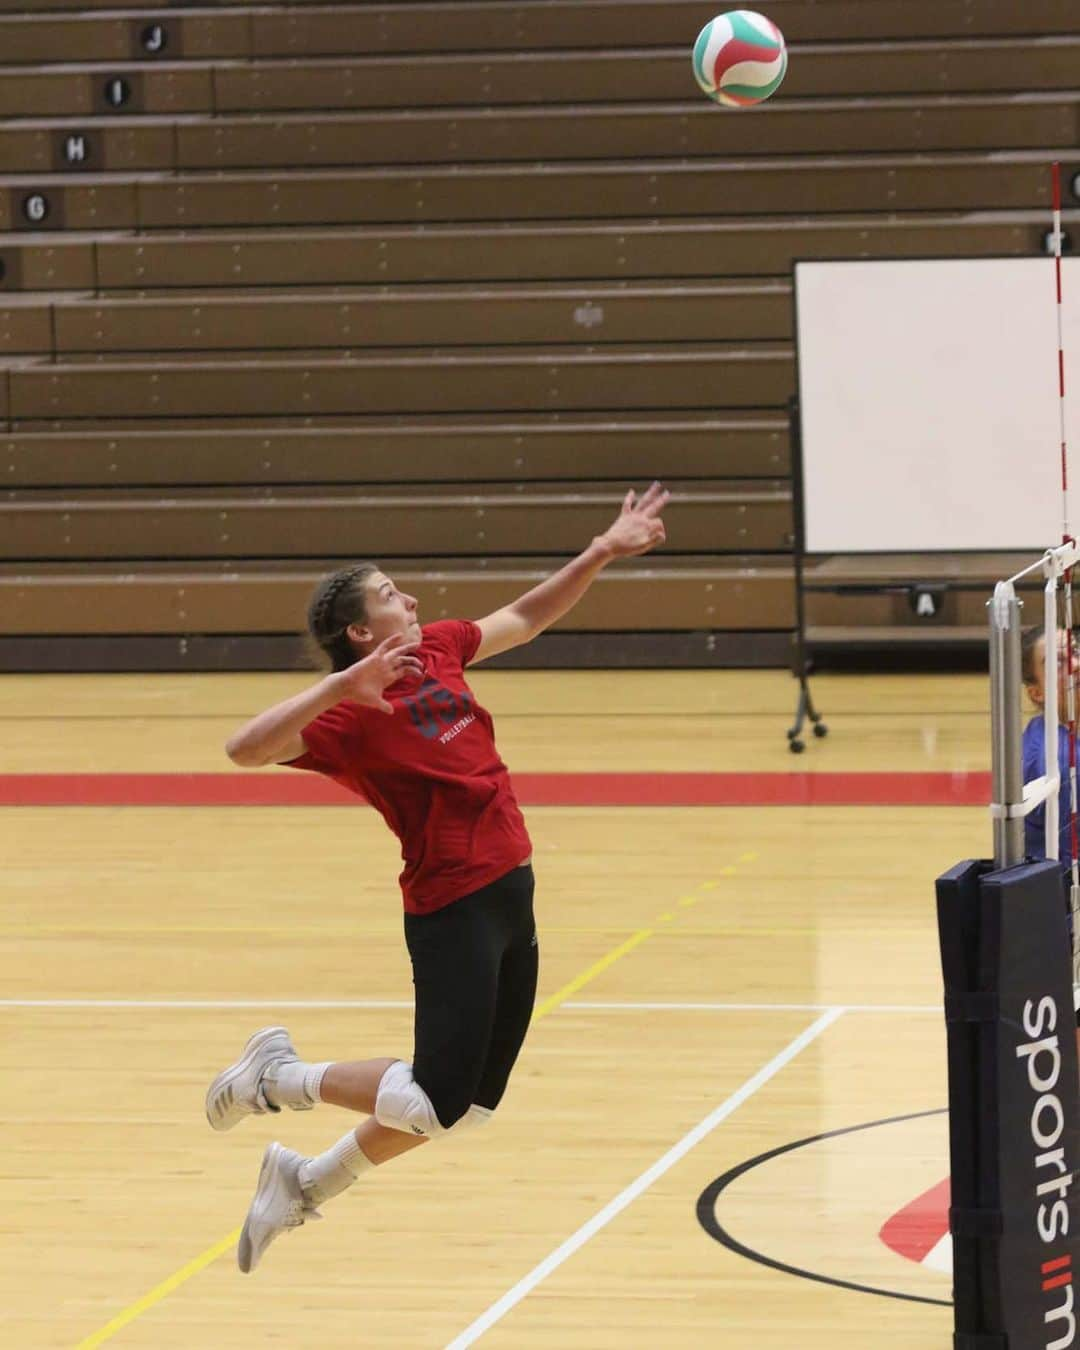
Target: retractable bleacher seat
287, 277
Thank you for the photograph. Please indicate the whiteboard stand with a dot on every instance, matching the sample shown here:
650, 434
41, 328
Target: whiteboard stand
926, 428
804, 709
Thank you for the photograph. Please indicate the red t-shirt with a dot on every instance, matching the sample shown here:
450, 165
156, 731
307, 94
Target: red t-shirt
432, 770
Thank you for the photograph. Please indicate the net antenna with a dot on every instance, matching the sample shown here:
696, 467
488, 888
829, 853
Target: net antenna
1067, 543
1012, 799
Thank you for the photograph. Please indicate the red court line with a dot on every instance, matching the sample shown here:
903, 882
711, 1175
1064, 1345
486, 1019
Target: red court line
916, 1229
293, 788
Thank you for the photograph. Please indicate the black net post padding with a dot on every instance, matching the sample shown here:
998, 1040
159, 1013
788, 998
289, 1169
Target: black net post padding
972, 1007
1014, 1106
958, 929
976, 1223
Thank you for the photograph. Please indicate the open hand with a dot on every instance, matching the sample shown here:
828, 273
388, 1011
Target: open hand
391, 660
638, 527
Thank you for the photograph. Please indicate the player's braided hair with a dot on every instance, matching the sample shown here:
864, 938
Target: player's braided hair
339, 600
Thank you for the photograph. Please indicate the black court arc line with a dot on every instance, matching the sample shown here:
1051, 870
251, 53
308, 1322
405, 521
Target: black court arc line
706, 1211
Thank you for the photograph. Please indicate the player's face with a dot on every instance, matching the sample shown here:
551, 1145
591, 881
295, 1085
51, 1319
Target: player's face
1037, 690
389, 610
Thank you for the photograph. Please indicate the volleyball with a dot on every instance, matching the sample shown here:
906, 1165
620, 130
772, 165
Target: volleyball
740, 58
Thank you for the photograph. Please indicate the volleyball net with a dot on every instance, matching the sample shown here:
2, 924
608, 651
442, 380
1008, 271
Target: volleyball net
1052, 662
1009, 935
1008, 965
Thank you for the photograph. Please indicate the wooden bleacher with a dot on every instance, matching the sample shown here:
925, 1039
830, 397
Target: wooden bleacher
288, 283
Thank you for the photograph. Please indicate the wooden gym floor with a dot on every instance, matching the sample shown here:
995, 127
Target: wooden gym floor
717, 983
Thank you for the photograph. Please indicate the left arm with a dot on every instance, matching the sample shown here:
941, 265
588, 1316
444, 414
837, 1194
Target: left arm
637, 529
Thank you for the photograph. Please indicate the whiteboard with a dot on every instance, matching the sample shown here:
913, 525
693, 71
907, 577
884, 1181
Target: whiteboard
928, 394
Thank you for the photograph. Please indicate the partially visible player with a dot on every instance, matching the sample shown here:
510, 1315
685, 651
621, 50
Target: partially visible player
1033, 674
396, 722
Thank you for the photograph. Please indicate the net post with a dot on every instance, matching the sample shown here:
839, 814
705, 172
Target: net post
1008, 778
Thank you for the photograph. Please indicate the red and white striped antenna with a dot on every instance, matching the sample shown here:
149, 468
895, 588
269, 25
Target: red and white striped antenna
1057, 237
1067, 538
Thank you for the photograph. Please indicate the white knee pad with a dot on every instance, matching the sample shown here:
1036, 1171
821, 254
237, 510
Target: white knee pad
402, 1104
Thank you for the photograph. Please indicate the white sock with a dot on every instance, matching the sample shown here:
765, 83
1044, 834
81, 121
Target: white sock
294, 1083
334, 1171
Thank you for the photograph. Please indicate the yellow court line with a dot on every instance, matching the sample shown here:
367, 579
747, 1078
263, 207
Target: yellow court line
162, 1290
166, 1287
579, 981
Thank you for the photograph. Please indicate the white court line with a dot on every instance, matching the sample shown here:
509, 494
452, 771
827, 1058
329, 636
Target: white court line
758, 1007
525, 1286
202, 1003
582, 1006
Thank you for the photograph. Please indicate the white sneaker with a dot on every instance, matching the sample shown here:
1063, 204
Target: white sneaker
279, 1203
237, 1091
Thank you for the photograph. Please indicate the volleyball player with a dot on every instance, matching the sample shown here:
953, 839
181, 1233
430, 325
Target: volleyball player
1033, 674
396, 722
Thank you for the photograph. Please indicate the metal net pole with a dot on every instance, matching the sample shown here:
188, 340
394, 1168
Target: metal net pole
1005, 732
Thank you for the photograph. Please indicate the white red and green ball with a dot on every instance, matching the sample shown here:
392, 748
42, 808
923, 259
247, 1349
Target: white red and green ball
740, 58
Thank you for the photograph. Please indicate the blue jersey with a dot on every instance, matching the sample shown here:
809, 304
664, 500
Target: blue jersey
1034, 767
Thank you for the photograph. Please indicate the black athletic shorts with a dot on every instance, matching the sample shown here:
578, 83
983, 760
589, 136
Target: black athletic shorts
474, 967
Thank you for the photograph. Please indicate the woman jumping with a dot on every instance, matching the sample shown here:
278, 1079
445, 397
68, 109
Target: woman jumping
396, 722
